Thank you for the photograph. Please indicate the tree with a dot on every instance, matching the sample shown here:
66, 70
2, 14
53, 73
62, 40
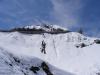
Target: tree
80, 31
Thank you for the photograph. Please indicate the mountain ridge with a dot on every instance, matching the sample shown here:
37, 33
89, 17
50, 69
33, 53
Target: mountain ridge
38, 29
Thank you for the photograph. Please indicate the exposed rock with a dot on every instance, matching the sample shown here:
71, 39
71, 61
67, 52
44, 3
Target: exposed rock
34, 69
81, 45
45, 68
97, 41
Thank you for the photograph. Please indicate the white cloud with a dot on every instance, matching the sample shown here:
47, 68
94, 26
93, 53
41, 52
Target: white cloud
66, 11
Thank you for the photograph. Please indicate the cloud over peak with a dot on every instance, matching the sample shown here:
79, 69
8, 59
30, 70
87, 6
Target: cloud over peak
66, 11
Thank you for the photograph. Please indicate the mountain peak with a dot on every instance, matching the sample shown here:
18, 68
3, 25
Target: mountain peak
44, 28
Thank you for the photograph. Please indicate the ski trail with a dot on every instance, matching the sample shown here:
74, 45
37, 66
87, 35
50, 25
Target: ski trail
54, 47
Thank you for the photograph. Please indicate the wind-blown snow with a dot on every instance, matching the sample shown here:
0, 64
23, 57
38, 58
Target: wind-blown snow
61, 50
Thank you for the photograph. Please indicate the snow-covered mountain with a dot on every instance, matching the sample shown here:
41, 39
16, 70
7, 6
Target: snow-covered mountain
68, 53
46, 27
38, 29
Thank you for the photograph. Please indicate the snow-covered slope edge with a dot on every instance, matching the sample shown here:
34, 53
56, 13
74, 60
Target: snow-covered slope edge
21, 65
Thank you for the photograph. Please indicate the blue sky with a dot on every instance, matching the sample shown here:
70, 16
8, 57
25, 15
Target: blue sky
72, 14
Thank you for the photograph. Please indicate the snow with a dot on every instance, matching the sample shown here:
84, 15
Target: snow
45, 27
22, 64
61, 51
58, 27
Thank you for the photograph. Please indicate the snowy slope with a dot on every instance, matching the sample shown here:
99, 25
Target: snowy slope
63, 51
21, 65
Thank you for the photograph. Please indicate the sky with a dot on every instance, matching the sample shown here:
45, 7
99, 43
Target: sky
72, 14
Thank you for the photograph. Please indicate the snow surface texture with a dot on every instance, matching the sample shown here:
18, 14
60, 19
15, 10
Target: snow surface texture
69, 53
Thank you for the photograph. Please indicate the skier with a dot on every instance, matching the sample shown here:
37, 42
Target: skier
43, 47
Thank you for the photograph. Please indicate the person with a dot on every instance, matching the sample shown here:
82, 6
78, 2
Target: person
43, 47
